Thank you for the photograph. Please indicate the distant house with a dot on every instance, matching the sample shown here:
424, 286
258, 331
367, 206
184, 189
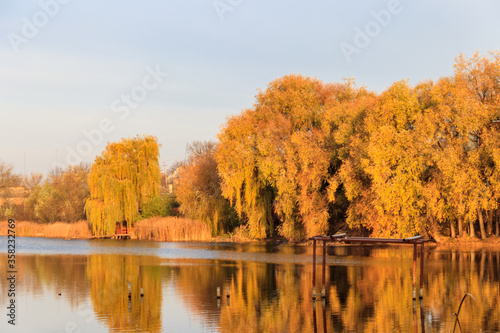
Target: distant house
173, 179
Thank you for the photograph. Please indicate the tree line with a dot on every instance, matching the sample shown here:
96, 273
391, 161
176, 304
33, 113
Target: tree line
60, 196
409, 160
313, 158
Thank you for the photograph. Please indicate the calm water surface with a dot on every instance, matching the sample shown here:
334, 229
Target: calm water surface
82, 286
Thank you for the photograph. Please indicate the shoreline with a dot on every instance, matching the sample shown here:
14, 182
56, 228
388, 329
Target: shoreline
181, 230
467, 243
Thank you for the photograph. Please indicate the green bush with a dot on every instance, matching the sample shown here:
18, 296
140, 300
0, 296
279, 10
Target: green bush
161, 205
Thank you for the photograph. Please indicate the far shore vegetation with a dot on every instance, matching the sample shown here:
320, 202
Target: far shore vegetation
307, 158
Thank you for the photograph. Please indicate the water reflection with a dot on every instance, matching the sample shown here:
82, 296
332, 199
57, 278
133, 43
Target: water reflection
179, 293
137, 309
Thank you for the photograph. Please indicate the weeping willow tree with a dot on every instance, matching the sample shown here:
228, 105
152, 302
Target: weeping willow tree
276, 160
122, 179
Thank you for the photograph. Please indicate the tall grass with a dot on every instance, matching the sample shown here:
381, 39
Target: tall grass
78, 229
172, 229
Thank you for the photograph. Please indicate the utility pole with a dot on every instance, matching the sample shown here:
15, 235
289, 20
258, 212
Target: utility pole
165, 173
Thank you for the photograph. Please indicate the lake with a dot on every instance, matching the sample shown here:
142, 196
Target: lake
83, 286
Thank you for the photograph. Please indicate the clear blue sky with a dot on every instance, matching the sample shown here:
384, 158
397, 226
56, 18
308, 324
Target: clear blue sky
74, 67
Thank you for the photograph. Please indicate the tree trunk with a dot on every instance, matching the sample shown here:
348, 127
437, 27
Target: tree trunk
489, 223
452, 227
460, 226
472, 232
481, 223
497, 218
434, 231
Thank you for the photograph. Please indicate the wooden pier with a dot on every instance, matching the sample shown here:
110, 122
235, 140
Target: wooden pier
115, 236
416, 240
122, 231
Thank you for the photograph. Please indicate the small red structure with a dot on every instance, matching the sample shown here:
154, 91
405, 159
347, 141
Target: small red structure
344, 238
122, 231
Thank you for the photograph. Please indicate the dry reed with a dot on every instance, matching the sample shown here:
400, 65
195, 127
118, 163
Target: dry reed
172, 229
78, 229
241, 234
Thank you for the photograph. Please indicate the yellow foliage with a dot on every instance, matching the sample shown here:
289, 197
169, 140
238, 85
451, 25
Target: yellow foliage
410, 160
123, 178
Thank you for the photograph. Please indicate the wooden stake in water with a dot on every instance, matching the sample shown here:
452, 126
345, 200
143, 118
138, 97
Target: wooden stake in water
414, 292
421, 271
314, 270
323, 274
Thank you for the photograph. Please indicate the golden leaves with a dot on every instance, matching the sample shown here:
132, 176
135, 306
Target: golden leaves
123, 178
198, 190
406, 158
283, 158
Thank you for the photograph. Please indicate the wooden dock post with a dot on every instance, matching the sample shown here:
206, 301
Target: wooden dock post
422, 315
415, 321
421, 296
314, 270
414, 292
324, 270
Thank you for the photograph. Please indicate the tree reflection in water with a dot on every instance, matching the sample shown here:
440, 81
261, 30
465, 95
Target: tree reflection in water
367, 290
109, 277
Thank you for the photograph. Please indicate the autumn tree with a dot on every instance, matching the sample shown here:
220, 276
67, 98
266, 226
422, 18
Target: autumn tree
459, 117
61, 197
122, 179
198, 190
72, 185
409, 160
8, 179
424, 159
32, 180
384, 169
476, 87
346, 117
43, 204
276, 160
241, 183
